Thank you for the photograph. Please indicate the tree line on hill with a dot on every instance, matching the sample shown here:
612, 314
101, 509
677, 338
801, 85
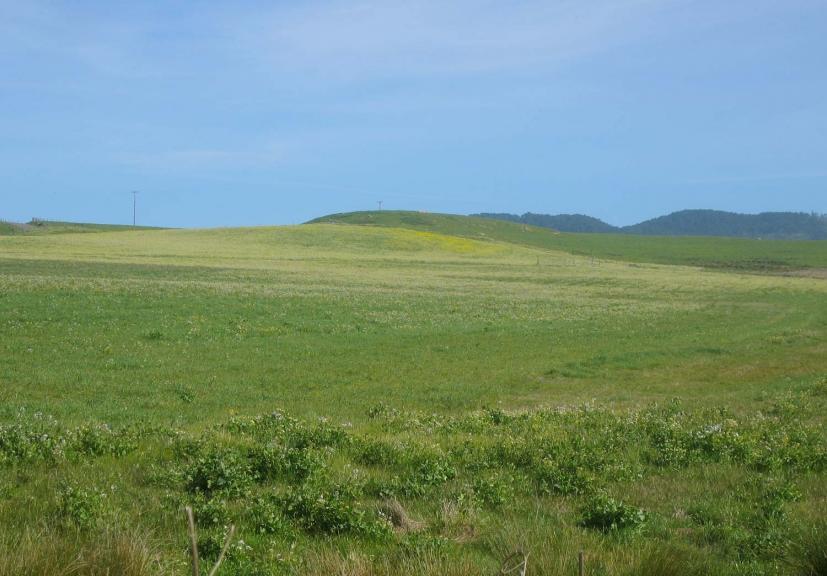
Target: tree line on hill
775, 225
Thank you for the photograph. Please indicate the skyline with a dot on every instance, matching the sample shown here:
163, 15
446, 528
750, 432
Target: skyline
275, 113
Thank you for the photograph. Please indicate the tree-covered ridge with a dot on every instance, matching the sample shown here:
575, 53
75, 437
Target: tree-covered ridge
793, 225
776, 225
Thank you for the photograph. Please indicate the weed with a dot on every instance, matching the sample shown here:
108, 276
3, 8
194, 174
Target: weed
330, 509
210, 511
219, 470
78, 506
608, 515
267, 517
270, 462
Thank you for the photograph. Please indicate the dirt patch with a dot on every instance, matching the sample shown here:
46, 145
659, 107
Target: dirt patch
820, 273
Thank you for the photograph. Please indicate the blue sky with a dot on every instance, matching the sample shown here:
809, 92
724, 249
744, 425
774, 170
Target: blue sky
236, 113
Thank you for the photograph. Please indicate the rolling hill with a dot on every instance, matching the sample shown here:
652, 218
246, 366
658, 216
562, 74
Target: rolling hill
561, 222
770, 225
35, 227
711, 252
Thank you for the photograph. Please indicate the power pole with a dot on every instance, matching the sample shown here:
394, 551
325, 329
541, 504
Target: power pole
380, 205
134, 204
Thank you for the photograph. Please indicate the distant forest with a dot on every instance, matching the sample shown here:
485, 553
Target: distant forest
775, 225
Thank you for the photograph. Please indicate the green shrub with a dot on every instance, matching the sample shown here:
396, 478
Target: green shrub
31, 437
275, 461
219, 470
562, 478
288, 431
79, 507
330, 509
210, 543
267, 517
377, 452
493, 490
210, 511
607, 515
102, 440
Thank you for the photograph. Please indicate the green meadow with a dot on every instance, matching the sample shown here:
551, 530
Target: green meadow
404, 393
728, 253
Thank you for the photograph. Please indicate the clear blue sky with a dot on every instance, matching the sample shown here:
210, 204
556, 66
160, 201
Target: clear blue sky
233, 113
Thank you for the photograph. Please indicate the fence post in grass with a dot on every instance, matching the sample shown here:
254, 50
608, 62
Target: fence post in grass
223, 550
581, 564
521, 559
193, 542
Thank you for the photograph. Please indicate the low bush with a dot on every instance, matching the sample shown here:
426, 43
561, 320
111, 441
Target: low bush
608, 515
210, 511
219, 470
78, 506
271, 462
266, 516
331, 509
493, 490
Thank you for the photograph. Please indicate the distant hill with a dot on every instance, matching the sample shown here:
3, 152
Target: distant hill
771, 225
36, 226
561, 222
776, 225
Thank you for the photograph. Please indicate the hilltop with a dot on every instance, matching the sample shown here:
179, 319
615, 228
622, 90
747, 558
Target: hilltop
712, 252
561, 222
772, 225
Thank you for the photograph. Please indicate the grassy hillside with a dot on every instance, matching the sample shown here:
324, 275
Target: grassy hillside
386, 400
562, 222
736, 253
55, 227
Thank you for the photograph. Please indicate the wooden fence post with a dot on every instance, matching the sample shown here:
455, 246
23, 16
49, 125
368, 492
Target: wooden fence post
196, 571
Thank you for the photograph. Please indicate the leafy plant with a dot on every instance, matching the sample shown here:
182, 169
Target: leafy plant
608, 515
79, 506
330, 509
219, 470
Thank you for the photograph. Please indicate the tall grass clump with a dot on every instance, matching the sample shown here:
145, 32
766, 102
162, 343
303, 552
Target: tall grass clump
808, 555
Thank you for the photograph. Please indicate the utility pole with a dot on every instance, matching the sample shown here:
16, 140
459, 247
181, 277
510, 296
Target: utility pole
380, 205
134, 204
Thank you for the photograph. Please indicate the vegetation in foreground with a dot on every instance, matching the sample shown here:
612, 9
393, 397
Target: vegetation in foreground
705, 491
529, 404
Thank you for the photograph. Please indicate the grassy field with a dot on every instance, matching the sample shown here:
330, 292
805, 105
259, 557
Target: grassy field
56, 227
424, 398
728, 253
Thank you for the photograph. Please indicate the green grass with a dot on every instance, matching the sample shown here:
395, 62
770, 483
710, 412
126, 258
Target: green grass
505, 393
730, 253
56, 227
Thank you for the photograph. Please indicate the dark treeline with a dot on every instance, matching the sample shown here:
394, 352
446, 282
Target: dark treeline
776, 225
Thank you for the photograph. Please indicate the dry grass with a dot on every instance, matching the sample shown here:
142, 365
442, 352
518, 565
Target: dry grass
398, 516
330, 562
109, 554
